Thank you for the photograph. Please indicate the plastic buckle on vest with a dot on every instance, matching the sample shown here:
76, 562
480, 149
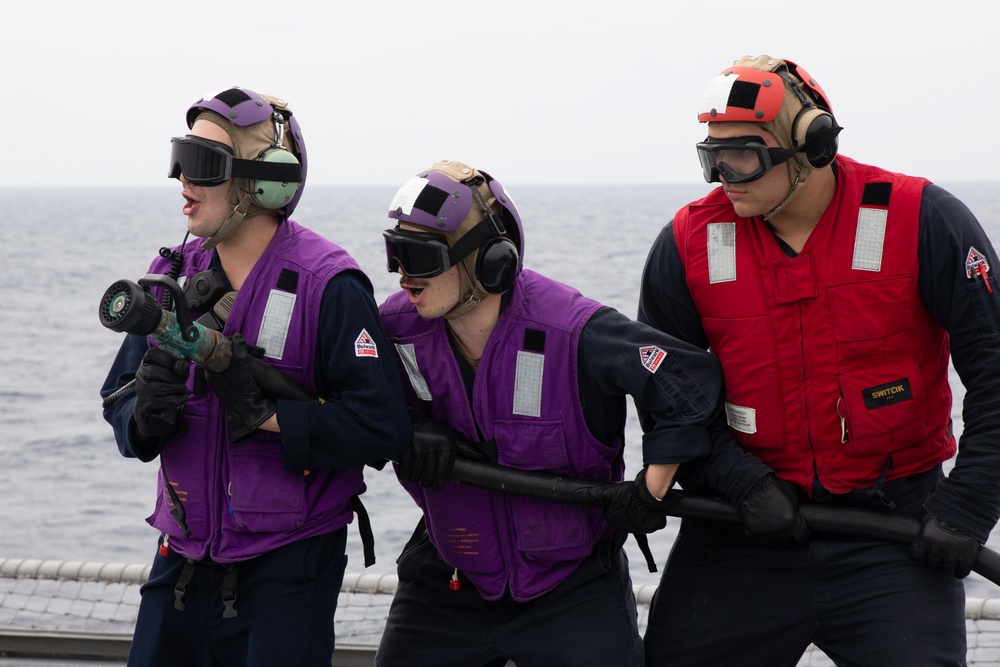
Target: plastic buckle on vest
229, 592
181, 586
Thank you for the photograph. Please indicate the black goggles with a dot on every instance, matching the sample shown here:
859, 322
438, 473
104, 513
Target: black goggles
202, 161
207, 162
738, 159
418, 254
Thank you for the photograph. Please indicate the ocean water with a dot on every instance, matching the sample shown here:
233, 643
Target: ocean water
65, 491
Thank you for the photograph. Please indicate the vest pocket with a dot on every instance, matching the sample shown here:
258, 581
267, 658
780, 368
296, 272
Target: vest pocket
532, 445
546, 530
882, 408
263, 496
873, 318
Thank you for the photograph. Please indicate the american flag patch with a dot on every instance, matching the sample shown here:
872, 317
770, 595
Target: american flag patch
364, 346
651, 357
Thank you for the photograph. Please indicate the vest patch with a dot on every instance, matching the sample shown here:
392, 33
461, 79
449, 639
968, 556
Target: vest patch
721, 252
408, 355
528, 384
364, 346
869, 239
741, 418
887, 394
274, 325
651, 357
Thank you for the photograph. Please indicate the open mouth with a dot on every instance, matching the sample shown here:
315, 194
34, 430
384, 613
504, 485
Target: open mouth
414, 291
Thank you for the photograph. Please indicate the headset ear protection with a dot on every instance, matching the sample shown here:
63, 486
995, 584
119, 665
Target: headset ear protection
497, 262
275, 194
810, 121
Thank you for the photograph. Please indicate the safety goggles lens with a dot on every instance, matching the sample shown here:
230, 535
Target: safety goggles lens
738, 160
418, 254
202, 161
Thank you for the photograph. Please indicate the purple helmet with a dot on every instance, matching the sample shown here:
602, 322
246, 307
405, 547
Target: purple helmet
243, 107
438, 201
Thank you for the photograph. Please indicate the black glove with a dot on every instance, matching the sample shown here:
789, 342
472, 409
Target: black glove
770, 512
630, 507
245, 403
160, 394
430, 457
941, 545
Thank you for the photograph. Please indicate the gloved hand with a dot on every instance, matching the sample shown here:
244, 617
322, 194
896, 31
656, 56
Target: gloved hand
630, 507
242, 398
160, 393
770, 512
941, 545
430, 457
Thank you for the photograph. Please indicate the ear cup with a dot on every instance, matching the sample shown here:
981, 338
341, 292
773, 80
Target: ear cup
275, 194
496, 265
807, 123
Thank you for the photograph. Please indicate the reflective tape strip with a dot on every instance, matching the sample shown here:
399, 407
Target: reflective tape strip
528, 384
721, 252
409, 357
274, 325
869, 239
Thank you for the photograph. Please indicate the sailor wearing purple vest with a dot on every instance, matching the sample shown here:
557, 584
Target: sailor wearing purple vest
509, 366
254, 494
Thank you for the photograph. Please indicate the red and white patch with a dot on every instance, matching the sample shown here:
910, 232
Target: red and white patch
364, 346
973, 261
652, 357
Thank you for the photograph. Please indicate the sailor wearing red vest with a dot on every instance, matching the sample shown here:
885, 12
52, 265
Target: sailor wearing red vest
832, 293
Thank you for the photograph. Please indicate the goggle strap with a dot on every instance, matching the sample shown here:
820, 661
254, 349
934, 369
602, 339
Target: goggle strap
826, 135
470, 242
286, 172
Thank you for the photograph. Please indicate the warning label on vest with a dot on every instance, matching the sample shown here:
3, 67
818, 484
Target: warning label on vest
741, 418
887, 394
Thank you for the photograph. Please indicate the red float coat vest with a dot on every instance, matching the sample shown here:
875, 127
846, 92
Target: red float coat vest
833, 366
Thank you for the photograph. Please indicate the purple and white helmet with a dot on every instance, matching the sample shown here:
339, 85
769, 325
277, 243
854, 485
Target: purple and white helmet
243, 107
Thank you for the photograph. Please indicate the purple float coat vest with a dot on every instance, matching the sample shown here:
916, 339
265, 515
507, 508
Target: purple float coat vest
238, 499
525, 397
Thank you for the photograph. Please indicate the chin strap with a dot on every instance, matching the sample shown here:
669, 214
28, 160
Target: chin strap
800, 178
230, 224
472, 293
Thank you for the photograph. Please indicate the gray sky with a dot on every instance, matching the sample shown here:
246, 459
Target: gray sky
533, 91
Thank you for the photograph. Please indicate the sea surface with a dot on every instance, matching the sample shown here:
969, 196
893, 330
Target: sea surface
65, 491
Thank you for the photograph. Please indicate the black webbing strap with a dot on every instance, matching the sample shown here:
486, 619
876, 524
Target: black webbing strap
365, 527
643, 542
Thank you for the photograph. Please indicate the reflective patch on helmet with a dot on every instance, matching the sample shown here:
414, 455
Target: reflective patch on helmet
528, 384
721, 252
741, 418
274, 325
651, 357
716, 97
407, 195
364, 346
408, 355
869, 239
